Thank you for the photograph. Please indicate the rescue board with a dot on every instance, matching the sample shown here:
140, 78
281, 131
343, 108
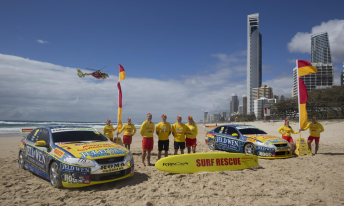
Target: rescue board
206, 162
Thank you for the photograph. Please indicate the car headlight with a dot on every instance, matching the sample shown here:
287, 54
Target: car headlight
81, 162
128, 157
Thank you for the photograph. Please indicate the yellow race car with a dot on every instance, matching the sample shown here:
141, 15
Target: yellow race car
75, 156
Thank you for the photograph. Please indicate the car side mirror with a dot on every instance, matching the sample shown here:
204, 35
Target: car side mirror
41, 143
235, 135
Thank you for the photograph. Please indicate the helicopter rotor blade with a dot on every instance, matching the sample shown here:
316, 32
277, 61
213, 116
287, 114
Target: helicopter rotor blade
102, 68
91, 69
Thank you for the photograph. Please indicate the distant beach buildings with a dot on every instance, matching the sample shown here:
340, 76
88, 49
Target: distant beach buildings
322, 60
234, 104
254, 58
244, 104
342, 77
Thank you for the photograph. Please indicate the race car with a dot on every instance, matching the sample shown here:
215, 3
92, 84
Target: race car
75, 156
247, 139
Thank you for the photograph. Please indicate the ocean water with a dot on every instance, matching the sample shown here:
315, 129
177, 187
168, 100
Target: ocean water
8, 127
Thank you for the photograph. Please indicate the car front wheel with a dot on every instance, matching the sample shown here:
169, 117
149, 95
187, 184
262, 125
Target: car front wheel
250, 149
211, 144
55, 175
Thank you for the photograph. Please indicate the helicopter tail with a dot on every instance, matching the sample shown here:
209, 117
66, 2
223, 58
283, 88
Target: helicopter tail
80, 74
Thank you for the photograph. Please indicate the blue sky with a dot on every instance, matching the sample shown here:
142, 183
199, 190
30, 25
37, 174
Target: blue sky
181, 42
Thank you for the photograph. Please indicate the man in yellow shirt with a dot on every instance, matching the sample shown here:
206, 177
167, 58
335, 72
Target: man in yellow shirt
191, 133
179, 131
315, 129
163, 130
108, 129
129, 132
147, 130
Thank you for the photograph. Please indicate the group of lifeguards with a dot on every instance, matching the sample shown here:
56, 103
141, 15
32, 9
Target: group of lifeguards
184, 135
315, 128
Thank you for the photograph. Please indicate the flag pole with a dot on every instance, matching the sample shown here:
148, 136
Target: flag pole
298, 98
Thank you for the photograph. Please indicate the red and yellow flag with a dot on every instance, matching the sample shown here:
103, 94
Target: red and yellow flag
119, 119
303, 68
121, 73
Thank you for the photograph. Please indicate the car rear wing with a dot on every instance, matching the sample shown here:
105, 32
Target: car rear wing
26, 132
208, 128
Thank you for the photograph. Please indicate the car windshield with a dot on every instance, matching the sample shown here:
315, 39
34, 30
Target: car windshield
251, 131
78, 136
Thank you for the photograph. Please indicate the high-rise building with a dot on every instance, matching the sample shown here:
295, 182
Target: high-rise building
234, 104
205, 117
224, 115
254, 58
244, 104
342, 78
321, 59
263, 91
240, 109
320, 48
217, 116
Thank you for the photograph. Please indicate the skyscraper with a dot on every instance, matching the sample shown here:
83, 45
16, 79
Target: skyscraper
205, 117
342, 78
224, 115
244, 104
321, 59
254, 58
234, 104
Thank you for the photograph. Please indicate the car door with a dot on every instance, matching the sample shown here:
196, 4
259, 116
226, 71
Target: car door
36, 157
226, 141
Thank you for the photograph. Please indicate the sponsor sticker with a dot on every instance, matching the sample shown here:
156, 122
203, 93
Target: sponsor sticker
251, 140
59, 153
22, 143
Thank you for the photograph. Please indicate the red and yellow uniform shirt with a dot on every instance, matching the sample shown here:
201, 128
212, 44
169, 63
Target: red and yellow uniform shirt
287, 130
147, 129
130, 130
164, 130
191, 131
107, 131
314, 129
179, 132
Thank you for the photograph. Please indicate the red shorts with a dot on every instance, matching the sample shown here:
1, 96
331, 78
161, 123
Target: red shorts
127, 139
289, 139
147, 143
310, 139
111, 139
191, 142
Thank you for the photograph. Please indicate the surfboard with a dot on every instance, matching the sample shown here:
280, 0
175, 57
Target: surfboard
206, 162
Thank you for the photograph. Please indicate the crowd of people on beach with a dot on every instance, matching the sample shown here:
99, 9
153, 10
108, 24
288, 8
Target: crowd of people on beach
184, 135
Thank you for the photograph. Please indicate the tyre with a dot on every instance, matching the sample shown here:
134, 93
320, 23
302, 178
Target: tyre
250, 149
21, 160
55, 175
211, 144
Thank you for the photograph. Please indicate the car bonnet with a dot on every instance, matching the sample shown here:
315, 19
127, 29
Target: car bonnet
94, 150
267, 139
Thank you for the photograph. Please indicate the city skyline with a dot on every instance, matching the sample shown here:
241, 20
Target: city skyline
181, 64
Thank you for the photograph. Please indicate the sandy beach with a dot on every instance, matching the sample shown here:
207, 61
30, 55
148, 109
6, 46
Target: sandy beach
303, 180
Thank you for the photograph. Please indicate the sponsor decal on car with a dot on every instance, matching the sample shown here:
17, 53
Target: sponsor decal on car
210, 135
265, 149
102, 152
75, 174
22, 144
112, 167
36, 157
251, 140
68, 129
59, 153
266, 154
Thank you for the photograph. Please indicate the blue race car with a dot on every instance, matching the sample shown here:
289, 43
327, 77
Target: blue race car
247, 139
75, 156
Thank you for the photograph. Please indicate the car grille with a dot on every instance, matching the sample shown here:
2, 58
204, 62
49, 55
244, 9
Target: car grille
280, 153
110, 176
110, 160
281, 145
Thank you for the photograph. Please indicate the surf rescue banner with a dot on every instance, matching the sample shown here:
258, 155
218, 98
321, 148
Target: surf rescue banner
207, 162
303, 68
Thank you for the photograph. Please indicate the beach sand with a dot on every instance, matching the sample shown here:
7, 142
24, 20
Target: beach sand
303, 180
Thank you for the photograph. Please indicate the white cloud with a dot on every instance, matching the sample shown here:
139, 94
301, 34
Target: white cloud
301, 42
42, 41
33, 90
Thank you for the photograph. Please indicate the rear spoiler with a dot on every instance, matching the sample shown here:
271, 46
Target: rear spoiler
26, 132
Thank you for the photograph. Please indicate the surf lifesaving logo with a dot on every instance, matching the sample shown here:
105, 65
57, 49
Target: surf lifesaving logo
169, 164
